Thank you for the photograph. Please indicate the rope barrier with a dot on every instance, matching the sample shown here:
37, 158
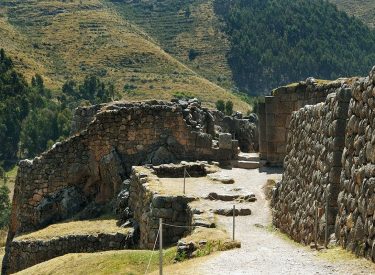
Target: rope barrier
184, 226
152, 253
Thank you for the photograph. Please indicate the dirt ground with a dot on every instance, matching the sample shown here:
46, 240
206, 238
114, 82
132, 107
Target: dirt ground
265, 251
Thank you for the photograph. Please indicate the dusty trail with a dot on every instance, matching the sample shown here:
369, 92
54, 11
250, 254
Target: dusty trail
264, 251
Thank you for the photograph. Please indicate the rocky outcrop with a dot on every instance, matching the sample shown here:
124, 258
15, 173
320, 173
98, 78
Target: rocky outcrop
355, 223
305, 201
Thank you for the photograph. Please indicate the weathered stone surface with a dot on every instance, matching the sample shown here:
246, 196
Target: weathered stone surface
148, 207
225, 141
221, 178
89, 167
275, 114
312, 170
26, 253
356, 216
229, 212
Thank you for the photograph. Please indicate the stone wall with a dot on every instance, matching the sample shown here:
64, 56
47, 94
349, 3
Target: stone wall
262, 131
306, 198
26, 253
243, 128
278, 110
148, 207
355, 223
91, 165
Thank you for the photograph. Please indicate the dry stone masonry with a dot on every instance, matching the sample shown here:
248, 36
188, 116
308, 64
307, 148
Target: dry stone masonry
25, 253
275, 114
148, 207
86, 171
306, 198
329, 176
355, 223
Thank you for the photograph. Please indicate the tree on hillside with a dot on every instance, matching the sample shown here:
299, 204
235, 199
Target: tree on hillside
5, 206
14, 106
220, 105
275, 42
229, 108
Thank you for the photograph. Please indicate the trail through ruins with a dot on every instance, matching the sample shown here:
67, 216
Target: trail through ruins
264, 251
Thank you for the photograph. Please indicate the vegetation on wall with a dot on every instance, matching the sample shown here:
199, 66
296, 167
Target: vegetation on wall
275, 42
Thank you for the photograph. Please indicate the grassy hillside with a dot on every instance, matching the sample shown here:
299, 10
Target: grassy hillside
363, 9
64, 40
184, 26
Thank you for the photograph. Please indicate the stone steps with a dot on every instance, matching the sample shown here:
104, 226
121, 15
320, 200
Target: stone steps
248, 157
248, 161
244, 164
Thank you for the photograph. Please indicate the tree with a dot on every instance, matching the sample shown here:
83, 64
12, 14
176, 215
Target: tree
193, 54
220, 105
5, 206
229, 108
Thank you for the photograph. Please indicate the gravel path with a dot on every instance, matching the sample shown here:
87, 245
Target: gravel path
266, 252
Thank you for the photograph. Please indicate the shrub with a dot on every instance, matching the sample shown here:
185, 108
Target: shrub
193, 54
229, 107
4, 206
220, 105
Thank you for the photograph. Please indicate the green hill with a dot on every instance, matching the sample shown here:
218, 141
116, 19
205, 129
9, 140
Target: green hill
275, 42
64, 40
183, 27
162, 48
362, 9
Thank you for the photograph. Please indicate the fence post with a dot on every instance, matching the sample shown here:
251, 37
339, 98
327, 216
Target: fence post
326, 233
160, 246
184, 180
234, 221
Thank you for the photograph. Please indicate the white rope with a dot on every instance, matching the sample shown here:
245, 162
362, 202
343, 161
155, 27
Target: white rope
184, 226
187, 172
152, 253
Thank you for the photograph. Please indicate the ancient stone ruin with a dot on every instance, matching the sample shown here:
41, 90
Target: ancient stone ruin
96, 169
276, 112
327, 185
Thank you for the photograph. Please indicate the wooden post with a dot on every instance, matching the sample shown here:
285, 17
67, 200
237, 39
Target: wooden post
315, 222
184, 180
234, 221
160, 246
326, 233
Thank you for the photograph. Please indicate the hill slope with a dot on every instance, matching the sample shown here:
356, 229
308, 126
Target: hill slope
69, 40
276, 42
362, 9
184, 26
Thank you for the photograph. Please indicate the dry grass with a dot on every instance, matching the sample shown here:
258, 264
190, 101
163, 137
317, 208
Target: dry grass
363, 9
3, 237
91, 38
110, 262
200, 31
2, 252
217, 240
130, 261
75, 228
267, 188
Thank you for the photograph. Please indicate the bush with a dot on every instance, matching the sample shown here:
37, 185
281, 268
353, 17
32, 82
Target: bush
220, 105
4, 206
229, 108
193, 54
